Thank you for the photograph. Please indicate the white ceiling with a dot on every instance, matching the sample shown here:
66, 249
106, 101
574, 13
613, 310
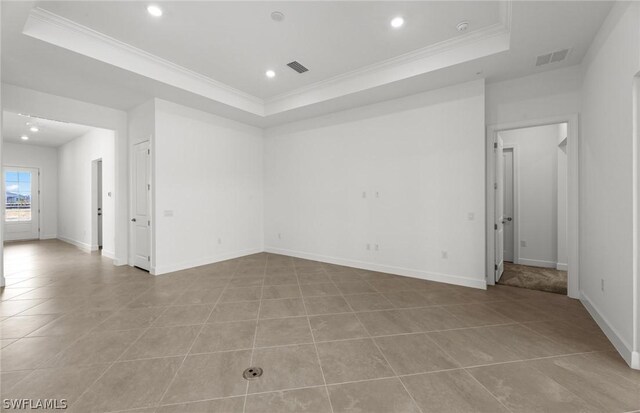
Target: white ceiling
231, 43
236, 42
50, 133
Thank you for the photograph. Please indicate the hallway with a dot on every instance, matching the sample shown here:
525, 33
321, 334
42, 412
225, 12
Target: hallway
329, 338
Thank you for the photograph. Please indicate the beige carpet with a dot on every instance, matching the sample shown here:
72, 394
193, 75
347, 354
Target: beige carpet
534, 278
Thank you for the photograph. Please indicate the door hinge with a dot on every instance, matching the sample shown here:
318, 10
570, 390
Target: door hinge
148, 223
495, 267
148, 151
495, 145
495, 185
148, 187
149, 258
495, 226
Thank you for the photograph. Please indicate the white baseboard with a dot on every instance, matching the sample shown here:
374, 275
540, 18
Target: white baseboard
537, 263
631, 357
82, 245
407, 272
203, 261
108, 254
50, 236
562, 267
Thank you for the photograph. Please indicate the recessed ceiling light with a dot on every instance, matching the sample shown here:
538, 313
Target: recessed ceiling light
24, 137
154, 10
270, 74
277, 16
397, 22
34, 129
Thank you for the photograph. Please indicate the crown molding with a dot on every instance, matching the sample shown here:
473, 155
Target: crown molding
415, 55
57, 30
478, 43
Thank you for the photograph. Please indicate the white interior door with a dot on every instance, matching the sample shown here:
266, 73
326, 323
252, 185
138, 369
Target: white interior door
22, 206
141, 219
499, 215
507, 155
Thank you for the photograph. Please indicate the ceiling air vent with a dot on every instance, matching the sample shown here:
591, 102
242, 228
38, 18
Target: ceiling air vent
297, 67
559, 55
553, 57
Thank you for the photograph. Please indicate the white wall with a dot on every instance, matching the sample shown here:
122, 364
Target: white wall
208, 173
608, 246
536, 152
543, 95
421, 171
22, 100
46, 160
75, 207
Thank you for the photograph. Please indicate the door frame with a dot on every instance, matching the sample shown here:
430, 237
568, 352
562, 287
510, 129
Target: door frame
516, 201
573, 284
2, 187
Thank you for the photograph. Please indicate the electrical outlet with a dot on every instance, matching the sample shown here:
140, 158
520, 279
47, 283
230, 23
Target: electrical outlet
219, 240
471, 216
445, 255
279, 235
364, 194
368, 247
377, 194
523, 243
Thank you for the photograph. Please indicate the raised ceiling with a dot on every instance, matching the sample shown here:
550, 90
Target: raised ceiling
50, 132
236, 42
212, 55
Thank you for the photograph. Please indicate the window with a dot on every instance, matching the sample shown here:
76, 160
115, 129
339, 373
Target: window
17, 196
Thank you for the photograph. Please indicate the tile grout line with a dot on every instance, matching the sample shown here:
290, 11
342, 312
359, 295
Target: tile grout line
381, 292
164, 394
144, 330
486, 389
324, 379
70, 345
565, 387
255, 333
415, 403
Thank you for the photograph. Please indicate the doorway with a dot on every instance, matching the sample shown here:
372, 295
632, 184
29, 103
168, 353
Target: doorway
532, 205
21, 188
97, 203
533, 229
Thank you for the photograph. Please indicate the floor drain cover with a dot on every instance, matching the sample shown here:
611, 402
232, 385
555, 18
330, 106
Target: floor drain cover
252, 373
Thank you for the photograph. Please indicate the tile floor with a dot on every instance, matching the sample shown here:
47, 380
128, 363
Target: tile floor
330, 339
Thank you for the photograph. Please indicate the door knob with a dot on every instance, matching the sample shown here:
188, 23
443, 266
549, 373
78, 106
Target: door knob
133, 220
509, 219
